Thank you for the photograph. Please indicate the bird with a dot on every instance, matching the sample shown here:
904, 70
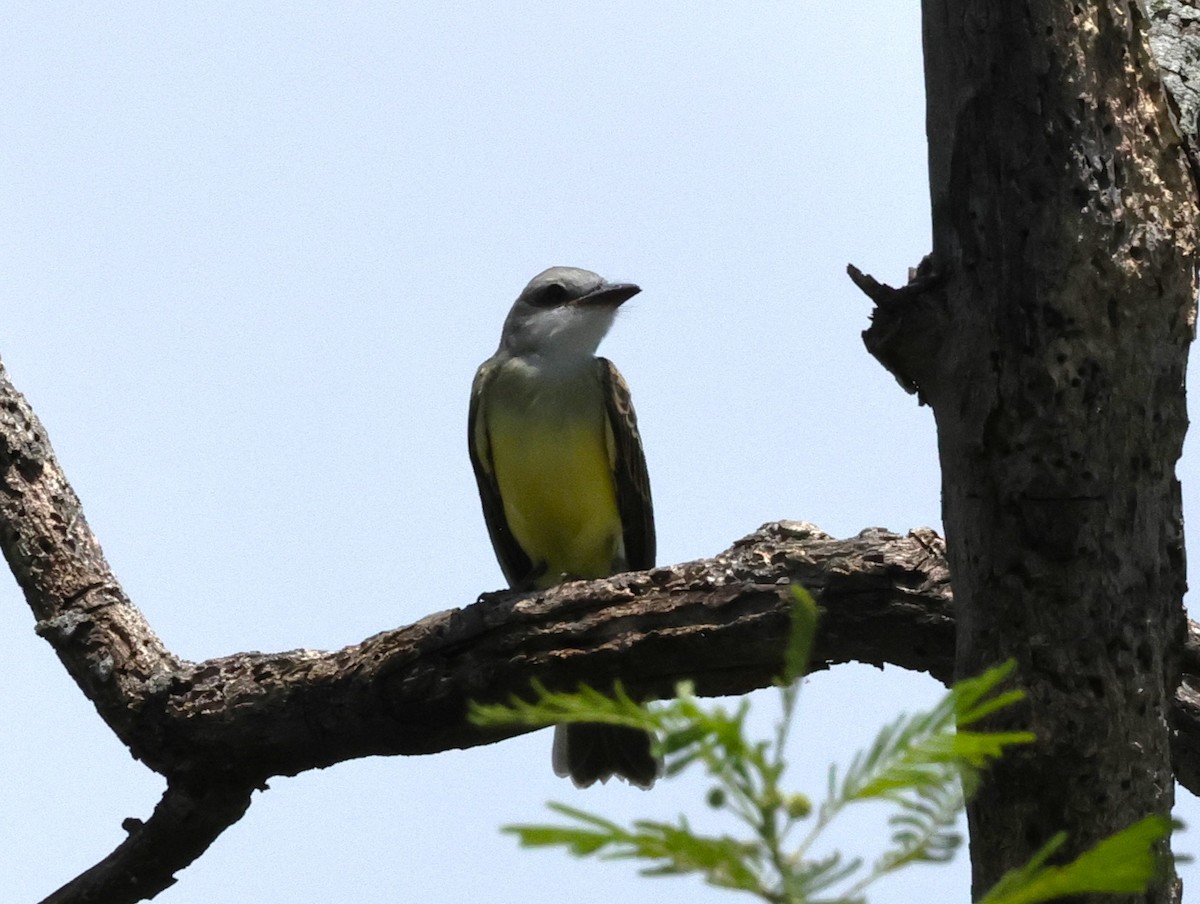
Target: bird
561, 473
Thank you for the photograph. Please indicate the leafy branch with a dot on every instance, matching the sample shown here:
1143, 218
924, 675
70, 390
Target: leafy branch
923, 765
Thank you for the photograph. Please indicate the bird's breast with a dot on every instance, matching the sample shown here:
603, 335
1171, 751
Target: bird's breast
551, 455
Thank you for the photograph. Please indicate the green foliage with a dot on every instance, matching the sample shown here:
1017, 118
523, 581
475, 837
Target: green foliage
1123, 862
919, 765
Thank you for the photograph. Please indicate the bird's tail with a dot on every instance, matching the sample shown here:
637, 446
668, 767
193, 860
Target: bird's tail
589, 752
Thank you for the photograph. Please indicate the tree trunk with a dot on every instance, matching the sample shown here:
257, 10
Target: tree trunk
1049, 333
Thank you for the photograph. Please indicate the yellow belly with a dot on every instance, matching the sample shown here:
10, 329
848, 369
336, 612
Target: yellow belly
557, 487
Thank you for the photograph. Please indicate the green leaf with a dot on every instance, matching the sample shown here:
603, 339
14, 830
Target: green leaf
551, 708
1120, 864
671, 849
978, 748
969, 693
579, 842
919, 764
815, 876
805, 614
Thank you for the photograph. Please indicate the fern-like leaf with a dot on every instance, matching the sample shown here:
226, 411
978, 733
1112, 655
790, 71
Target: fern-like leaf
1120, 864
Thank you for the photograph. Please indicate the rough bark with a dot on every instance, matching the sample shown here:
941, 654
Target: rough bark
1048, 330
1175, 41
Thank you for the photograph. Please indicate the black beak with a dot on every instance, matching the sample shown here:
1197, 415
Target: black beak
611, 294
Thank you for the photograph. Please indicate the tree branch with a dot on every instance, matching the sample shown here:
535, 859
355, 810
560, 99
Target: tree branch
250, 716
218, 729
186, 821
902, 336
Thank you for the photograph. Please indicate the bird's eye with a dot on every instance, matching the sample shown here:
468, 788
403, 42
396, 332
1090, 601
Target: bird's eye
553, 294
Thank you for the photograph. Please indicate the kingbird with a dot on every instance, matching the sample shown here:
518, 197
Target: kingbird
561, 473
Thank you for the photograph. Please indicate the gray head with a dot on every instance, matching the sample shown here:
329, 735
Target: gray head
564, 312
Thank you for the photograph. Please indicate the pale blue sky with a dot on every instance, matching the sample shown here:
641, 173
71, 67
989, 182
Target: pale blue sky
253, 254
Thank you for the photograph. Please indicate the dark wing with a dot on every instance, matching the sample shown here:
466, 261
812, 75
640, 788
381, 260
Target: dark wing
629, 470
517, 568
